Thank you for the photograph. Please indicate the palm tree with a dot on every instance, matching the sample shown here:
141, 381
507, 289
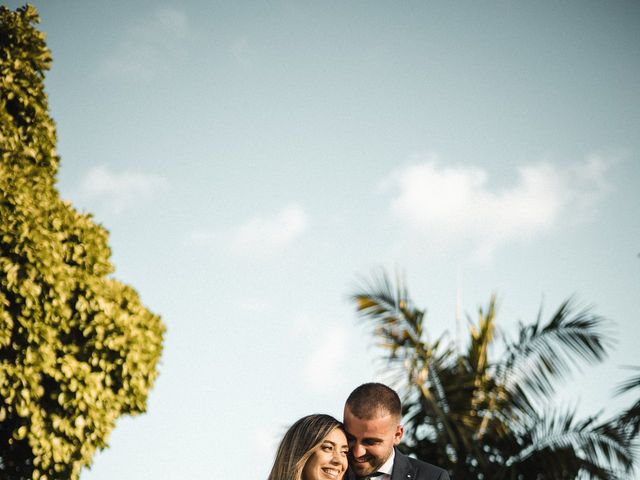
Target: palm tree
630, 419
489, 418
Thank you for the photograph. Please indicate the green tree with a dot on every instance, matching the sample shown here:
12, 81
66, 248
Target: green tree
488, 416
77, 347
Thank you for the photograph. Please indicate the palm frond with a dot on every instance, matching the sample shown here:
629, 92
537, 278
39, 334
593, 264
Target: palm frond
390, 310
574, 446
481, 338
630, 383
630, 418
545, 353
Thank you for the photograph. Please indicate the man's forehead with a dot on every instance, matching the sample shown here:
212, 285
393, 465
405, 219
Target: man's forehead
375, 415
373, 425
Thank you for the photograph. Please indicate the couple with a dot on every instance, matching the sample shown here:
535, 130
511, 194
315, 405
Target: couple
319, 447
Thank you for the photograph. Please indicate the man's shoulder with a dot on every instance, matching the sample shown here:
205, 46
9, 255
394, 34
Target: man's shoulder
425, 467
424, 470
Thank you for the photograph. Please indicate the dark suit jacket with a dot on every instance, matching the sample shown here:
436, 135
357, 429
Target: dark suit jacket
407, 468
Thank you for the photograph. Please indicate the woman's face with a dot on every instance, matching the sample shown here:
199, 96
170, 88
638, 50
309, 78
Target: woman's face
329, 460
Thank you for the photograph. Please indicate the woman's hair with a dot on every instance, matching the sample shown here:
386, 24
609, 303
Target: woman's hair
299, 443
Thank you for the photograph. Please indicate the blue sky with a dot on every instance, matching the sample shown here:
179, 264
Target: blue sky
252, 160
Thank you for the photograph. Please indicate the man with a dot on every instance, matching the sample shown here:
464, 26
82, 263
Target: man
372, 416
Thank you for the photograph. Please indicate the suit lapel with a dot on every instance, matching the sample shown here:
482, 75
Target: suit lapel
402, 469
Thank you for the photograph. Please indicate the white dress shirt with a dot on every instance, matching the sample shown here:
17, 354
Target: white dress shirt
387, 467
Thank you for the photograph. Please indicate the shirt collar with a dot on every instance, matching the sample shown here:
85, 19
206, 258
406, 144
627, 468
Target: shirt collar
387, 467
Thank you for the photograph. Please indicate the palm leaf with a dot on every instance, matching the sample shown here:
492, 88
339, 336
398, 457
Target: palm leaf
395, 319
545, 353
571, 447
629, 384
630, 418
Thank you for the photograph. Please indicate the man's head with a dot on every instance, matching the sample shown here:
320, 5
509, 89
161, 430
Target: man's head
372, 416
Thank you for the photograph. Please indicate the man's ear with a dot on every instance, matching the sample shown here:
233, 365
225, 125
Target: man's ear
397, 437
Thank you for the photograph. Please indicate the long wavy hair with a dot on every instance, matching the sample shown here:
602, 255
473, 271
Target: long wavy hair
299, 443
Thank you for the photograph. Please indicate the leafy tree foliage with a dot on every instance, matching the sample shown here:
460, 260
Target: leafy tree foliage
77, 348
484, 416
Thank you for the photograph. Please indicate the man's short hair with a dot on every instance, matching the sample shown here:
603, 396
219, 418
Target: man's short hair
371, 400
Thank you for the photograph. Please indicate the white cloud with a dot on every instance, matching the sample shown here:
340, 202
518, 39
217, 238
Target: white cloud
323, 368
455, 205
260, 236
120, 190
268, 234
149, 47
590, 182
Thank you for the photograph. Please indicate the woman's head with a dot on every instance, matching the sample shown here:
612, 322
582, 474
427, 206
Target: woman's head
314, 448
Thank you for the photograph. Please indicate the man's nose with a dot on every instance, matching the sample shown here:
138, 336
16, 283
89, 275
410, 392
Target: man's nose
357, 450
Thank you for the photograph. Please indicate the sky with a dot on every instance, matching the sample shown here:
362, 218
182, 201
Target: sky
254, 161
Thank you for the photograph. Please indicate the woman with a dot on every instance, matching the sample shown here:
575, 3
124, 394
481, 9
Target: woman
314, 448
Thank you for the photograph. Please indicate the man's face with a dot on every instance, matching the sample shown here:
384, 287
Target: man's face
371, 441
